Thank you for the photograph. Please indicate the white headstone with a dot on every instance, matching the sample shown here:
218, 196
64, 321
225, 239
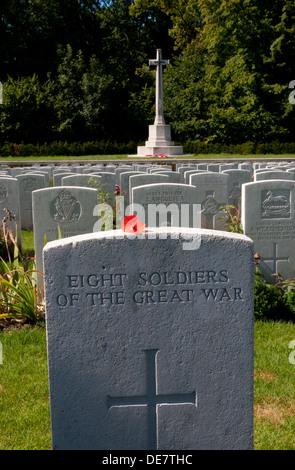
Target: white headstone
27, 183
58, 175
235, 180
124, 185
140, 180
150, 347
81, 180
68, 209
212, 192
274, 175
166, 204
9, 200
268, 218
173, 176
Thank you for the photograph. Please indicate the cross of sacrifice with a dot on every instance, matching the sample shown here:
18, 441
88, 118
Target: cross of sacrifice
159, 62
274, 259
152, 399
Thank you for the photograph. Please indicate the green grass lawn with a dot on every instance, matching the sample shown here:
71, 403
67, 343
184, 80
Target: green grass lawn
28, 243
274, 385
221, 156
24, 394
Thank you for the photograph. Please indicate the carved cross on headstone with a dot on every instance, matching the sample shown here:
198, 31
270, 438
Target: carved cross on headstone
274, 259
159, 63
152, 399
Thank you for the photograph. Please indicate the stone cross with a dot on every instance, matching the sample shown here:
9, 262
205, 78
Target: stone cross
159, 62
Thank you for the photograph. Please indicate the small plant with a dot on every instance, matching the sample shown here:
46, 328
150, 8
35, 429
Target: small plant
274, 301
8, 241
18, 293
233, 218
111, 217
103, 197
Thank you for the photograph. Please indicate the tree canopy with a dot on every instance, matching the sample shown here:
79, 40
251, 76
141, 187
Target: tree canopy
77, 70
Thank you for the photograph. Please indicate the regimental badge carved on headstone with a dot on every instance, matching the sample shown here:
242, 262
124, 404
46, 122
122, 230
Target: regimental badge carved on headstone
65, 208
3, 192
209, 206
275, 203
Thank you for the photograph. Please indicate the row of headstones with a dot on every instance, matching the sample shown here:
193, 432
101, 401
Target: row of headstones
17, 185
213, 191
267, 217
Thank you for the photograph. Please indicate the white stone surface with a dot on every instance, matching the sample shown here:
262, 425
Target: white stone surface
268, 218
150, 346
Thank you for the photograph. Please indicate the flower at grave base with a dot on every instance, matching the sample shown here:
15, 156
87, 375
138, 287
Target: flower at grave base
132, 224
117, 190
160, 155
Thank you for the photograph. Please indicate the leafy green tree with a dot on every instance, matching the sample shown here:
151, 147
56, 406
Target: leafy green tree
184, 15
80, 96
26, 114
230, 83
32, 31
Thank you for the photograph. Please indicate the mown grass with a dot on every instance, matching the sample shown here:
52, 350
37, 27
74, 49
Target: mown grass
274, 385
28, 243
24, 394
211, 156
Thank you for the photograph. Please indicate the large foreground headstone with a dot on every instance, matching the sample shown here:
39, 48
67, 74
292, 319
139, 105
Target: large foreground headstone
150, 345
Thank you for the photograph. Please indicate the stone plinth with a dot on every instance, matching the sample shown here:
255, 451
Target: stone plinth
159, 142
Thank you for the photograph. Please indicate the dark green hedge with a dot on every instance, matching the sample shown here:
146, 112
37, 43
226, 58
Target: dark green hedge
115, 148
247, 148
67, 149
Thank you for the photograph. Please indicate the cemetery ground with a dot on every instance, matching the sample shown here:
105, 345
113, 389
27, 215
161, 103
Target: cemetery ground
24, 388
93, 158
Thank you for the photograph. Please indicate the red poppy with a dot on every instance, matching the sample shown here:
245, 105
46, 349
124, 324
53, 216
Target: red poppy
132, 224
